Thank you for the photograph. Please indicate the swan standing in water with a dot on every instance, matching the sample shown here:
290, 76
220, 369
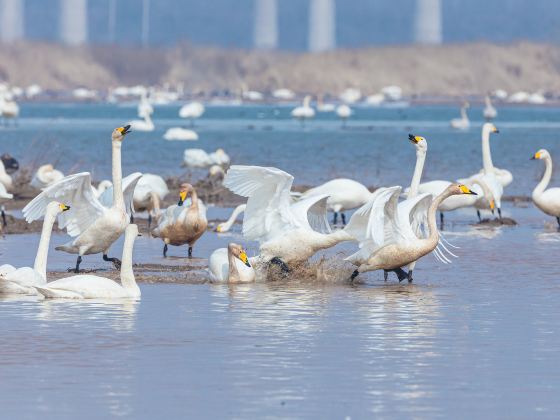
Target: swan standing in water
94, 225
46, 175
547, 200
401, 247
150, 191
489, 112
180, 225
287, 231
23, 279
192, 111
230, 265
9, 109
226, 226
87, 286
462, 123
304, 111
503, 175
143, 125
344, 112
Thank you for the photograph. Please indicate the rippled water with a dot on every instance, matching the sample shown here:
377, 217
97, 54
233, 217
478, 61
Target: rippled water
476, 338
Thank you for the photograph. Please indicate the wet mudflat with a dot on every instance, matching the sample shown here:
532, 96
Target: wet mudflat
479, 336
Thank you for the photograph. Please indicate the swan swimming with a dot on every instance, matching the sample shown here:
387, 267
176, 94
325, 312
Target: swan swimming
146, 124
547, 200
23, 279
462, 123
180, 134
179, 224
304, 111
489, 112
400, 247
94, 225
87, 286
230, 265
192, 111
344, 112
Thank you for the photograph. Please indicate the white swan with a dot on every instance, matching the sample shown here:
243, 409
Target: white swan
46, 175
179, 224
192, 111
462, 123
198, 158
180, 134
547, 200
344, 112
400, 247
344, 194
150, 191
5, 196
9, 109
226, 226
144, 106
5, 178
101, 187
324, 107
145, 124
230, 265
503, 175
23, 279
483, 200
489, 112
287, 231
87, 286
94, 225
304, 111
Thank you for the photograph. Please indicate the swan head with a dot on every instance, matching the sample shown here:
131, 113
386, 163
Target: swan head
418, 141
466, 105
458, 189
120, 132
541, 154
55, 208
238, 252
183, 193
490, 128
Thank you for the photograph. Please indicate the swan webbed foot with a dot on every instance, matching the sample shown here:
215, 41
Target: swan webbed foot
165, 251
343, 217
283, 266
116, 262
355, 274
131, 218
190, 251
401, 274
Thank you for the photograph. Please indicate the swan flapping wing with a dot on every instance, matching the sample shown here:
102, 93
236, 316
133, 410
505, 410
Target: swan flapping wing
74, 191
312, 213
128, 186
417, 212
268, 205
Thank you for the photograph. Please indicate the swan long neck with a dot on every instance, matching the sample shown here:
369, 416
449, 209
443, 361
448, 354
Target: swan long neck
487, 193
127, 274
417, 176
236, 212
233, 273
433, 237
541, 186
40, 264
464, 113
156, 202
118, 197
486, 154
487, 101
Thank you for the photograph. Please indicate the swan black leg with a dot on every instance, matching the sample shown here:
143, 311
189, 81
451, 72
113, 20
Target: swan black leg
557, 220
4, 223
401, 274
335, 218
116, 262
385, 275
131, 218
409, 276
149, 220
500, 213
441, 220
78, 262
343, 216
355, 274
478, 214
165, 251
190, 251
283, 266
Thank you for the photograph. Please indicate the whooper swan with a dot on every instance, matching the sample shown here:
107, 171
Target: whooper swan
230, 265
547, 200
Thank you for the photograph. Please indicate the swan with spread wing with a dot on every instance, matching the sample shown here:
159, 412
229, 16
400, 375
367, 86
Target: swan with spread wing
94, 223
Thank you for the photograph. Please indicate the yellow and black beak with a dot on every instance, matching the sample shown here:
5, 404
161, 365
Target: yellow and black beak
536, 156
64, 207
465, 190
495, 130
414, 139
244, 259
124, 130
182, 198
492, 206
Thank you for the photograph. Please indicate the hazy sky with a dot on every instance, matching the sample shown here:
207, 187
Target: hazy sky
359, 22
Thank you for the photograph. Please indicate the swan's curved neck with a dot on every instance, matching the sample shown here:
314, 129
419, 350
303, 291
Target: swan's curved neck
464, 113
417, 177
487, 193
236, 212
433, 237
233, 273
541, 186
486, 155
40, 264
156, 202
118, 197
127, 274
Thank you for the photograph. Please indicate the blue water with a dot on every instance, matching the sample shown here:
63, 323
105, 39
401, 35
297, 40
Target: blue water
478, 338
373, 149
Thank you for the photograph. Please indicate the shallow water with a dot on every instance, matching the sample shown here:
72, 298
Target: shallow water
374, 149
479, 337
